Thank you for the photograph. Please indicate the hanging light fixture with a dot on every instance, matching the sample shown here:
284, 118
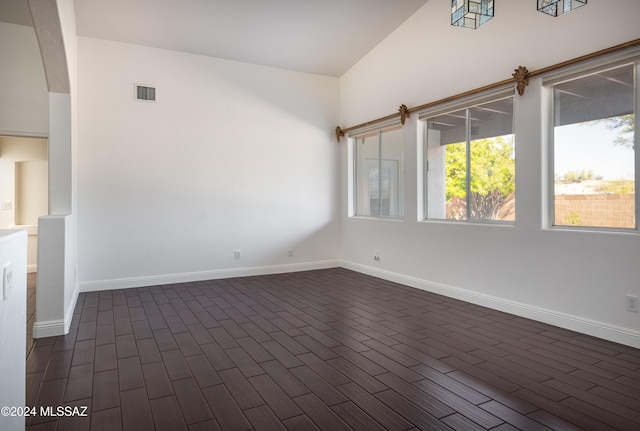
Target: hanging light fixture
559, 7
471, 13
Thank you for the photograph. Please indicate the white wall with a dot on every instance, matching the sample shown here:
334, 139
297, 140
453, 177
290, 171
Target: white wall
578, 280
232, 156
13, 324
57, 247
66, 11
23, 90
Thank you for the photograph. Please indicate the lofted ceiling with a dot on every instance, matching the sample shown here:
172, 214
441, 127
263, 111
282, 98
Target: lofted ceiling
317, 36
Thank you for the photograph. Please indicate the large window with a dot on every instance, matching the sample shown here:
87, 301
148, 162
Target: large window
470, 167
593, 150
378, 173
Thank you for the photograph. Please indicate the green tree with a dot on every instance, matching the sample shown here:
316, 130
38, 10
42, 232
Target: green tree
492, 175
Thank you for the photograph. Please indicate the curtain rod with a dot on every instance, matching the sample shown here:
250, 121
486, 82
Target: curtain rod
520, 76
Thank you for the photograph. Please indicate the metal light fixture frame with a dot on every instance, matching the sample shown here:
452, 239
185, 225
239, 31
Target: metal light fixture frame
471, 13
556, 8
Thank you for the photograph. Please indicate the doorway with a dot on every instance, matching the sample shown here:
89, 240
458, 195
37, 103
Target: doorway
24, 188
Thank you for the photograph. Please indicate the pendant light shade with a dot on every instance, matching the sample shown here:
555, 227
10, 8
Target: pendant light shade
471, 13
559, 7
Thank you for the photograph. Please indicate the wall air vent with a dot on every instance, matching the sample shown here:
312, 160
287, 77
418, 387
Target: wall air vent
145, 93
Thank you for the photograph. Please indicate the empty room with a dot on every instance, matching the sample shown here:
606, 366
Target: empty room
320, 214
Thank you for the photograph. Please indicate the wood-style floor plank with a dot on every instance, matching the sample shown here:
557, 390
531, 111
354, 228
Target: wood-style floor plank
320, 414
327, 350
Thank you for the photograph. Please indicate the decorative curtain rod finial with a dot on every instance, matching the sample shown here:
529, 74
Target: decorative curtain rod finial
521, 75
339, 133
404, 113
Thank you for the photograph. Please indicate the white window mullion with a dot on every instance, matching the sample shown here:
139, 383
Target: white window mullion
379, 174
468, 162
636, 139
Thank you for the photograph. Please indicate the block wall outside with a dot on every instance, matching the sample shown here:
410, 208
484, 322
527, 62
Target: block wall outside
610, 210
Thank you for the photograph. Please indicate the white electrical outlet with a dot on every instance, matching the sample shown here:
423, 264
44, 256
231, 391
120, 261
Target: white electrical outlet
236, 254
5, 205
290, 252
7, 280
376, 255
632, 303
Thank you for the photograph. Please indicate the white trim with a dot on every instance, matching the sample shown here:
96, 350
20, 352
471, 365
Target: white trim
593, 65
636, 140
53, 328
503, 92
380, 218
32, 268
598, 329
23, 134
583, 69
50, 328
382, 126
126, 283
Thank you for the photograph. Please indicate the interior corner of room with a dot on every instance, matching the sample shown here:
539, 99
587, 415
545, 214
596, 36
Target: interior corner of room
236, 156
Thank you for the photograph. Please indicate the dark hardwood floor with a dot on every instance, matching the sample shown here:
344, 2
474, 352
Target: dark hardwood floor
330, 350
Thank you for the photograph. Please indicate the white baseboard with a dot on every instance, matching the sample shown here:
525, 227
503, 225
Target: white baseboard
53, 328
126, 283
598, 329
50, 328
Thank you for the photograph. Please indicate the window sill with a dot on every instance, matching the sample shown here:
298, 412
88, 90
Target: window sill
485, 223
593, 229
390, 219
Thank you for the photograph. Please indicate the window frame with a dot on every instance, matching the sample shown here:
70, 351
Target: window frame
353, 138
576, 72
507, 91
